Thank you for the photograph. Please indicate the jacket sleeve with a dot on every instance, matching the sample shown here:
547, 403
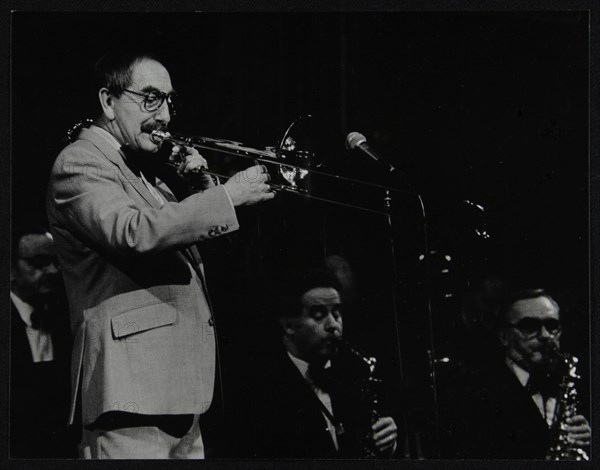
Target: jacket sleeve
88, 196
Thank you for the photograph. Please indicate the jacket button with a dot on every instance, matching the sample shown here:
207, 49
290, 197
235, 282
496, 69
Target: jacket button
212, 233
224, 228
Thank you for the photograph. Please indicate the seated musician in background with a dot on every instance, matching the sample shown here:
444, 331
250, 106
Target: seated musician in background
514, 410
40, 350
311, 402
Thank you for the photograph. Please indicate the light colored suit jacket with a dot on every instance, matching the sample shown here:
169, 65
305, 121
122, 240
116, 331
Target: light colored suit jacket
143, 338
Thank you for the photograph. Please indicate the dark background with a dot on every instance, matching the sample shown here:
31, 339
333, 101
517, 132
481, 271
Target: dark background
489, 107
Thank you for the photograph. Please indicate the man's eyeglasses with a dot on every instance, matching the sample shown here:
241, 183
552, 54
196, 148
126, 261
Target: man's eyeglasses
530, 327
41, 261
153, 100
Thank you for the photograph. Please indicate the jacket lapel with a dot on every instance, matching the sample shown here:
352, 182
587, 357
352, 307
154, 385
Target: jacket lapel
527, 406
308, 405
118, 158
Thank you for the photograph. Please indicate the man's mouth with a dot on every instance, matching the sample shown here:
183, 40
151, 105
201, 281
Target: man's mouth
150, 128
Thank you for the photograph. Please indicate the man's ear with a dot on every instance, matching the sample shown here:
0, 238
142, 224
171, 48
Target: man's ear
502, 336
107, 101
287, 324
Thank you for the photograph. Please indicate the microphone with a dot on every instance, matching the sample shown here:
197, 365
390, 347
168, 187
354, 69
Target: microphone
355, 140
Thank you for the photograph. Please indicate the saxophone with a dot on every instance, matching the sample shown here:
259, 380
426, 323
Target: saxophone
368, 390
566, 407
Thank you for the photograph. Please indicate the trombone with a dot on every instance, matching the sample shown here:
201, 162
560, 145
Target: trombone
292, 173
377, 197
294, 166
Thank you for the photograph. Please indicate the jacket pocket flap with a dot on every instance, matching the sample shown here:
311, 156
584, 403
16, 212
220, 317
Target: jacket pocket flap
142, 319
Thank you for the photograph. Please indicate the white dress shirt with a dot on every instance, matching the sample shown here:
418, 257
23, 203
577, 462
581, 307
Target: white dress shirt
40, 341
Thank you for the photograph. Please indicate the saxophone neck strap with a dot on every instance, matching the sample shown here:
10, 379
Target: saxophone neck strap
337, 424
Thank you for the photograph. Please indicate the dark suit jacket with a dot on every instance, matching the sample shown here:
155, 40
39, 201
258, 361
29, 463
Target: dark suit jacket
496, 418
39, 395
285, 418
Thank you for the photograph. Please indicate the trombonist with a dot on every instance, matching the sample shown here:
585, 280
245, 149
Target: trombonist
144, 344
309, 401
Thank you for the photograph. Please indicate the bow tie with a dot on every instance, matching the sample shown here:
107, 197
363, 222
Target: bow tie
141, 162
41, 318
543, 384
322, 377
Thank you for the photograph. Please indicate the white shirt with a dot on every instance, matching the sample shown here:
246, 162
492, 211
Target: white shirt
40, 341
321, 395
546, 409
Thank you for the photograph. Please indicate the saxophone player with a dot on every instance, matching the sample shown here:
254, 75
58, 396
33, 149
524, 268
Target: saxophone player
514, 407
308, 402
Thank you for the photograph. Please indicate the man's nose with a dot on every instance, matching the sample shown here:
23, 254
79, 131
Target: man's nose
52, 268
544, 333
163, 114
332, 324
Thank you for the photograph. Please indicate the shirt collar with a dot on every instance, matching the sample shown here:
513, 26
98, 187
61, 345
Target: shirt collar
302, 366
23, 308
520, 373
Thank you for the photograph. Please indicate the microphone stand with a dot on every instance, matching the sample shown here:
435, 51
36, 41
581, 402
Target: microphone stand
387, 205
393, 180
396, 179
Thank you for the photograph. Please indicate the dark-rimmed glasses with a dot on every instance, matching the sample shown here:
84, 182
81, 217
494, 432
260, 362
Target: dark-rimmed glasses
153, 100
530, 327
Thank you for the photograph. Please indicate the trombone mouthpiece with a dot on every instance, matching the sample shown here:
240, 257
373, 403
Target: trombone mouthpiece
158, 137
